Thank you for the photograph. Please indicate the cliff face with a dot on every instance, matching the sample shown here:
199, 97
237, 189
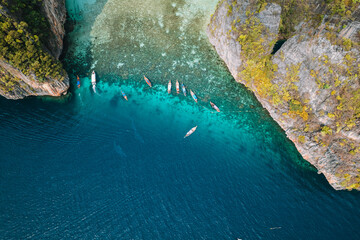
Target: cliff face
55, 13
22, 85
223, 35
310, 86
29, 65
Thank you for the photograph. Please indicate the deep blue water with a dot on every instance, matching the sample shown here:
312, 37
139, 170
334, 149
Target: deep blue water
93, 166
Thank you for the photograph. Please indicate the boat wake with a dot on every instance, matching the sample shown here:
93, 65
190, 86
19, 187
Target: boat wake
81, 101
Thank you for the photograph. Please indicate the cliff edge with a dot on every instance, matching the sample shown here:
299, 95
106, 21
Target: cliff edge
31, 41
302, 61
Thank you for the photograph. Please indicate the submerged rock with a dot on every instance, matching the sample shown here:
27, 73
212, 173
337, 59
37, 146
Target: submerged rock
310, 86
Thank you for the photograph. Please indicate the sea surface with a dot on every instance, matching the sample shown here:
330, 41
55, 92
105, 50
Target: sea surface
94, 166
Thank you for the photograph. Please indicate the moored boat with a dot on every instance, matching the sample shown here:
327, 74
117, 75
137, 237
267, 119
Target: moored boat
78, 81
93, 78
124, 95
214, 106
177, 87
93, 81
190, 132
147, 81
183, 89
193, 96
169, 87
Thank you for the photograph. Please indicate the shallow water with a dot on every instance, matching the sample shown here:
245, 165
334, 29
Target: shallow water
94, 166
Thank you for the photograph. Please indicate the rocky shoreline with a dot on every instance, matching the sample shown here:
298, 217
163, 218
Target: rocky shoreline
310, 86
19, 80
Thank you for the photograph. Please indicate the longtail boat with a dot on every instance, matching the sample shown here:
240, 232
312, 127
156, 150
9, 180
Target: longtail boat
177, 87
183, 89
214, 106
78, 81
93, 78
190, 132
169, 87
147, 81
124, 95
93, 81
193, 96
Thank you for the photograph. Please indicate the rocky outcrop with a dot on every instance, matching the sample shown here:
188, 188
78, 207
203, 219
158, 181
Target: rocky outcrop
28, 85
223, 35
41, 73
55, 13
310, 86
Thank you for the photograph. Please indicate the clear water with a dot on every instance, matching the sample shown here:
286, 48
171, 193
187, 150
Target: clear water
94, 166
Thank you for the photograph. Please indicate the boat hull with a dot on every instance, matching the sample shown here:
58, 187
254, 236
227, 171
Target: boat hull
177, 87
148, 81
190, 132
78, 81
193, 96
93, 78
183, 89
124, 95
169, 87
214, 107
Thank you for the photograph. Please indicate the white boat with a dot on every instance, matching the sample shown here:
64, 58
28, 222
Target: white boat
169, 87
93, 80
214, 106
177, 87
190, 132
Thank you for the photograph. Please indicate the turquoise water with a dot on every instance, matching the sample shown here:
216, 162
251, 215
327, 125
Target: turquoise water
94, 166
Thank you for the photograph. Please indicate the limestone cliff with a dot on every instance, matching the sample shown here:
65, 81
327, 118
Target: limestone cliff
31, 41
310, 86
55, 13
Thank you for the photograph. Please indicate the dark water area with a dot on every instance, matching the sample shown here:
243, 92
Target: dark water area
94, 166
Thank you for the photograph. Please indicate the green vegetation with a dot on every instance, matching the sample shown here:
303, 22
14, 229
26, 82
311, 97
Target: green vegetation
299, 109
301, 139
296, 11
338, 81
293, 12
23, 50
342, 7
325, 130
7, 81
21, 42
345, 93
349, 181
29, 11
258, 68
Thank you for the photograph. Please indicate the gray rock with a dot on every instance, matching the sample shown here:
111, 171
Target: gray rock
224, 39
322, 77
55, 13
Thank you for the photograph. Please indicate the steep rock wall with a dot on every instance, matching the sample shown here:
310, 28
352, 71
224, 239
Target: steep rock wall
310, 86
55, 13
